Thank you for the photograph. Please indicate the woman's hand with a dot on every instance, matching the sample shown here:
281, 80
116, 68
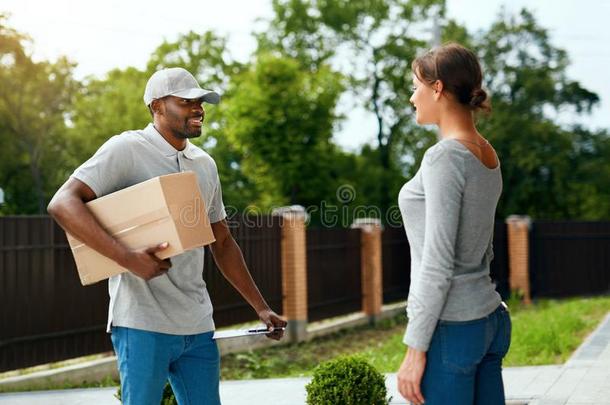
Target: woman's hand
410, 375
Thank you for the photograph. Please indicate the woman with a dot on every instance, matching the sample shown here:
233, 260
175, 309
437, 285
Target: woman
459, 328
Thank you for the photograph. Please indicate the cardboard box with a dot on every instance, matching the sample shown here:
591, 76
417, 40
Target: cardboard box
163, 209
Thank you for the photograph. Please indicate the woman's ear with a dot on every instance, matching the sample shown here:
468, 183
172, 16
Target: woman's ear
438, 89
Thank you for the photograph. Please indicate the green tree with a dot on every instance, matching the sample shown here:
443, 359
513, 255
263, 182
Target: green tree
105, 107
588, 194
379, 40
281, 118
34, 101
542, 161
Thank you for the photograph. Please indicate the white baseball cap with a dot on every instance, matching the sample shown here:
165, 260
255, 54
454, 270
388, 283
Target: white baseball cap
176, 82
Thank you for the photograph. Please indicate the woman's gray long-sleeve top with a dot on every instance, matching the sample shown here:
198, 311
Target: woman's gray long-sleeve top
448, 210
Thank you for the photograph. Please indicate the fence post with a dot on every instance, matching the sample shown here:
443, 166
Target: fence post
518, 232
371, 266
294, 271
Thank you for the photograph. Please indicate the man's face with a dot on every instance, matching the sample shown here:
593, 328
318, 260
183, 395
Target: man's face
183, 116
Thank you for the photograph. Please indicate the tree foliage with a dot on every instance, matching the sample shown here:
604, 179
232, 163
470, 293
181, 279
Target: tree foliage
542, 160
372, 43
105, 107
34, 99
281, 118
272, 134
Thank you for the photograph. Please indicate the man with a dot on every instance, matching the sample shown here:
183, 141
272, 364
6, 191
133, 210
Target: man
160, 314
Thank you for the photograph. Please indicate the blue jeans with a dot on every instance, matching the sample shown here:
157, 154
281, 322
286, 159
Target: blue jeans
464, 361
147, 359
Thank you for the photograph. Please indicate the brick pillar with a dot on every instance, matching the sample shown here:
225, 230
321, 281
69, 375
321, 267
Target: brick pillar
518, 228
294, 271
371, 266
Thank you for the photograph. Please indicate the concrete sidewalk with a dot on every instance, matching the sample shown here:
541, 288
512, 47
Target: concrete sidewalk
583, 380
280, 391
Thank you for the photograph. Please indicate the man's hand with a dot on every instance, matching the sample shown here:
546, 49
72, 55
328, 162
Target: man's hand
410, 375
272, 320
144, 264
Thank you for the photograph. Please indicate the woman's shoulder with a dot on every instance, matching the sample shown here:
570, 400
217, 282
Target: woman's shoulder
444, 153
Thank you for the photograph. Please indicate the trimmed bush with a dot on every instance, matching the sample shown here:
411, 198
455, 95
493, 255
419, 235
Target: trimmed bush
347, 381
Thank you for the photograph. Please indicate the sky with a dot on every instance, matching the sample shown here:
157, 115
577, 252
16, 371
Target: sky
102, 35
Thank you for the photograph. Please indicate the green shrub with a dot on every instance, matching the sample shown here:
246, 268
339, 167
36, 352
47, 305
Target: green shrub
167, 399
347, 381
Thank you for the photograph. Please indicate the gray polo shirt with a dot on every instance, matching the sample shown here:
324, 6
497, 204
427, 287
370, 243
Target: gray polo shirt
448, 209
177, 302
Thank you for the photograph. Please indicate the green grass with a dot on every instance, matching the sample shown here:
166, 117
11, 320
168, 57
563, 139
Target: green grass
550, 331
296, 360
107, 381
545, 333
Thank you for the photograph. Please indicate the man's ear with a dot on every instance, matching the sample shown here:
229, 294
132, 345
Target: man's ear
157, 106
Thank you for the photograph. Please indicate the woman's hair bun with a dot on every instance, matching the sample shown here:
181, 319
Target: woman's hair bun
478, 98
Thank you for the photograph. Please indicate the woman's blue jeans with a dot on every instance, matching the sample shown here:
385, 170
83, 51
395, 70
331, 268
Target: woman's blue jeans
147, 359
464, 361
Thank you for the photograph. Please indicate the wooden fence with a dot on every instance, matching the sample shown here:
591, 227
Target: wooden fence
334, 285
569, 258
396, 262
46, 315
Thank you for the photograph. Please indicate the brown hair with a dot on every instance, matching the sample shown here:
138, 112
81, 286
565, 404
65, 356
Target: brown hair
459, 70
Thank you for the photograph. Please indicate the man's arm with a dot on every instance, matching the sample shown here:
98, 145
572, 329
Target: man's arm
68, 208
230, 261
